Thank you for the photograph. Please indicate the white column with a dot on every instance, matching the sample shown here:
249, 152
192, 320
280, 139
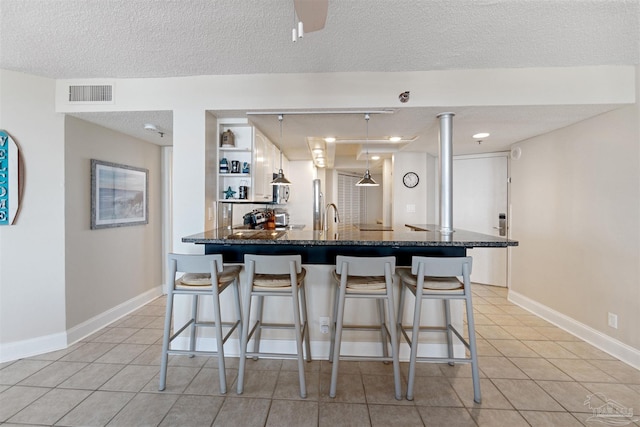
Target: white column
189, 148
446, 172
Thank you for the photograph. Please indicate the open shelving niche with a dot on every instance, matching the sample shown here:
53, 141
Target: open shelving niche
255, 149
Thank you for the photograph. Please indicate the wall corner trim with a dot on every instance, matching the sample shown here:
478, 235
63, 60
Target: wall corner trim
609, 345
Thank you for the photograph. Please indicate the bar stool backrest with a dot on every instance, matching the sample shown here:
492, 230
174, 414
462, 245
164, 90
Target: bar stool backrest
443, 266
195, 263
273, 264
365, 266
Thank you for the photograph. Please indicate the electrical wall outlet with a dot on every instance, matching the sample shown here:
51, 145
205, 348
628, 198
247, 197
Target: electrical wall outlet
612, 320
324, 325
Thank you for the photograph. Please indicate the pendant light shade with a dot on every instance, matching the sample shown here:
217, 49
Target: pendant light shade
280, 179
366, 180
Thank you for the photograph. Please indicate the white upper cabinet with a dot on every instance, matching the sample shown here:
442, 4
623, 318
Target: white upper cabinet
263, 165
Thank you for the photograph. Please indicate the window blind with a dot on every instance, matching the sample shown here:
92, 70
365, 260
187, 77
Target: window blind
352, 200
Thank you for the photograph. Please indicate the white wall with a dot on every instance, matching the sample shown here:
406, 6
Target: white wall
32, 255
108, 267
189, 176
407, 199
576, 213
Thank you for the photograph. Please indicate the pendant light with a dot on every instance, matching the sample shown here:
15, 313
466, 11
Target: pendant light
366, 180
280, 179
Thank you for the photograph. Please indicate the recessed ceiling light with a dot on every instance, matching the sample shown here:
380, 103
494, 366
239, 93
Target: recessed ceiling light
481, 135
330, 139
395, 139
375, 157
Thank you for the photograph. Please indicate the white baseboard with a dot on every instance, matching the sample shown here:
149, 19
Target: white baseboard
98, 322
53, 342
594, 337
32, 347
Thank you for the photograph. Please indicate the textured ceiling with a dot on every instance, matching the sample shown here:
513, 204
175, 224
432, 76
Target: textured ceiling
152, 38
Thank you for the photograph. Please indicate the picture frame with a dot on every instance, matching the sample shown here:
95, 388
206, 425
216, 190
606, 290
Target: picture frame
119, 195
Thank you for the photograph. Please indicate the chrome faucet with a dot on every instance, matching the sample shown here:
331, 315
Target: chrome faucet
336, 216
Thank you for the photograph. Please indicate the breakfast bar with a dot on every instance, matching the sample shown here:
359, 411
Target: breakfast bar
321, 247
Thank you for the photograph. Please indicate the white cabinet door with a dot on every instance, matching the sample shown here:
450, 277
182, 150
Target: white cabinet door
262, 168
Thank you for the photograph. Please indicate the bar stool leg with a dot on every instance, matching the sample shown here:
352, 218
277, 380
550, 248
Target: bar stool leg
305, 321
401, 310
447, 318
194, 319
473, 349
259, 309
395, 342
236, 290
334, 319
244, 336
299, 336
415, 334
338, 336
219, 338
383, 332
165, 340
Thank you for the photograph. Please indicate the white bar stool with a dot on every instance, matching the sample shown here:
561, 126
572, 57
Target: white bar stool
275, 276
372, 278
437, 278
199, 272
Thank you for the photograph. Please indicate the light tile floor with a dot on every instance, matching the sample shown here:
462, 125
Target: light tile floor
532, 373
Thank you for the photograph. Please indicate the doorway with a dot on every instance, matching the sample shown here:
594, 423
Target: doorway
480, 201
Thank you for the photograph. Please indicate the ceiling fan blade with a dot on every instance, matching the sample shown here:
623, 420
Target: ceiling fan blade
313, 13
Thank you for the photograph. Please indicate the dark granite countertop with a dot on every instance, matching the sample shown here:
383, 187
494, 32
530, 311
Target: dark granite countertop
351, 236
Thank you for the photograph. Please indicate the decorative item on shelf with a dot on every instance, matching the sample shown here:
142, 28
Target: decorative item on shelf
366, 180
228, 139
224, 165
243, 190
235, 166
245, 167
229, 193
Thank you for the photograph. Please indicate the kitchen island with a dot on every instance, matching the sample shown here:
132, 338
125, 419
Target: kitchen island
318, 250
321, 247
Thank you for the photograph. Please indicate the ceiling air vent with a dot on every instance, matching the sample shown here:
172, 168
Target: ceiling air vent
91, 93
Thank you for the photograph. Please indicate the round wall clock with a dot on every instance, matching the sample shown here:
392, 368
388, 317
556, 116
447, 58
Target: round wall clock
410, 179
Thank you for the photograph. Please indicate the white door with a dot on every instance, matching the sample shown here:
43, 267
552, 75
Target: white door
480, 198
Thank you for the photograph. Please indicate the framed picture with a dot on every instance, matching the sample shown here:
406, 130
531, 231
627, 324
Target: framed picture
119, 195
